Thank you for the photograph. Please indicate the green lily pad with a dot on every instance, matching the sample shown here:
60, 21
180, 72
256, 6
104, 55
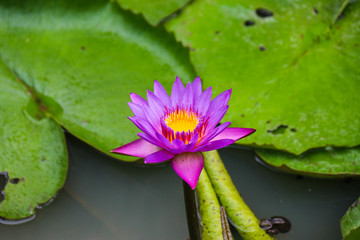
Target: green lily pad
350, 223
33, 156
82, 59
153, 11
292, 65
328, 162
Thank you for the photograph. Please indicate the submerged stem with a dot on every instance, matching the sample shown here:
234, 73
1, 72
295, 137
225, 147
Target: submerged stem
239, 213
225, 225
191, 212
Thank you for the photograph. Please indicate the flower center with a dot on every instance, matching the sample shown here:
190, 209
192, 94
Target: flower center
181, 120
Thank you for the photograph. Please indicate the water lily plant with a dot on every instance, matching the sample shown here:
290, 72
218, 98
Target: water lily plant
178, 128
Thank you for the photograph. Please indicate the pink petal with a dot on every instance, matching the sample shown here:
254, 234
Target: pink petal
138, 148
216, 117
203, 103
177, 92
179, 146
151, 139
219, 101
152, 118
159, 157
212, 134
177, 149
187, 100
137, 99
193, 142
161, 93
197, 88
143, 125
188, 166
234, 133
164, 140
137, 110
213, 145
156, 105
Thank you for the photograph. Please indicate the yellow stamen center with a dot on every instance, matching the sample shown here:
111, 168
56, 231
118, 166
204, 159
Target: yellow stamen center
181, 120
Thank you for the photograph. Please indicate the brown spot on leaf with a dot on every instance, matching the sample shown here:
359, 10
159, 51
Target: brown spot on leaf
262, 48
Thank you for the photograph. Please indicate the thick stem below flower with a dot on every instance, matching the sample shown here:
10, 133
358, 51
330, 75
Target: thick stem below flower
209, 209
239, 213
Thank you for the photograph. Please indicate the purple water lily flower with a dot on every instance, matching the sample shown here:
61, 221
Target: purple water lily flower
180, 127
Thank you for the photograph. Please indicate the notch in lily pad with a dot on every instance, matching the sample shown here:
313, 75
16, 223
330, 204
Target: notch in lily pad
4, 178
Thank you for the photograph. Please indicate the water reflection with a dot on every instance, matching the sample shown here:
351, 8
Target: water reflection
314, 206
107, 199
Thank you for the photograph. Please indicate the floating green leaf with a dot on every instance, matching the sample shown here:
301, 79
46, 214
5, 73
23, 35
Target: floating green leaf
153, 11
32, 151
292, 65
83, 59
328, 162
79, 61
350, 223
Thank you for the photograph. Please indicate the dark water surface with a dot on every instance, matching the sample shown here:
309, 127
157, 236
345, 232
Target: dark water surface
106, 199
313, 206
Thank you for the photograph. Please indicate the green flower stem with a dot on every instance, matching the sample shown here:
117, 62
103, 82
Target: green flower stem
209, 209
239, 213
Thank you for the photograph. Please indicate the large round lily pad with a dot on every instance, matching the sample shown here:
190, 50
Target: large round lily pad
79, 61
83, 59
293, 67
33, 156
